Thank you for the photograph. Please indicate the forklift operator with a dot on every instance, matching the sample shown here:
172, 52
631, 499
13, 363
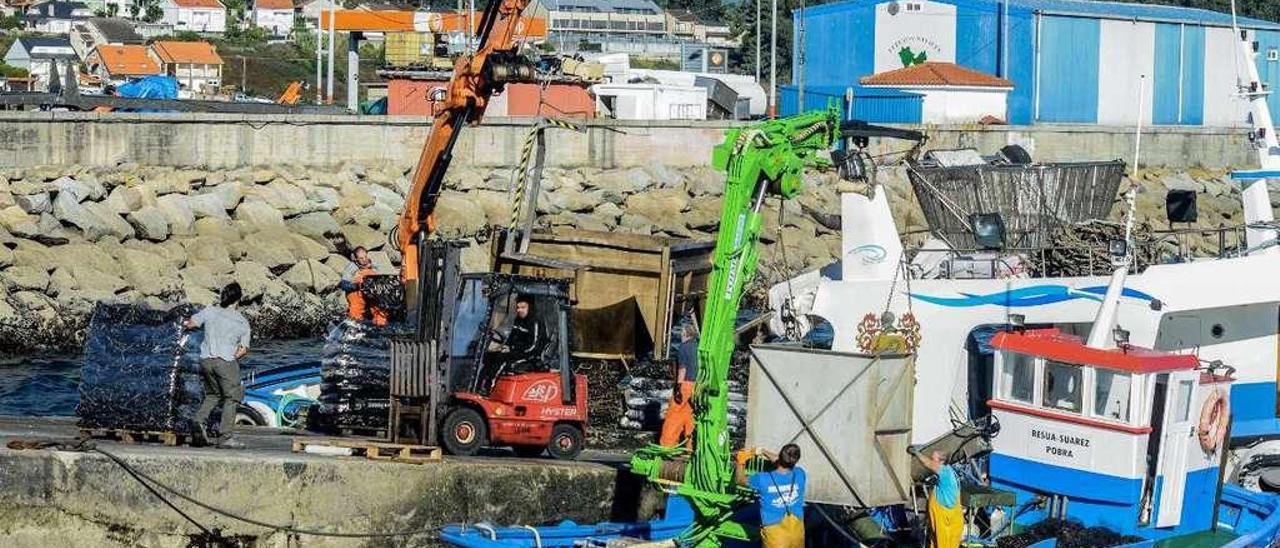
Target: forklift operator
521, 351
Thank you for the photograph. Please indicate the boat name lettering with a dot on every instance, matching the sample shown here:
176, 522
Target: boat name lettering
1065, 439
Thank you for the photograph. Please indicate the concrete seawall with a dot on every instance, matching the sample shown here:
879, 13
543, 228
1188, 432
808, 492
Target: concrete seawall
228, 141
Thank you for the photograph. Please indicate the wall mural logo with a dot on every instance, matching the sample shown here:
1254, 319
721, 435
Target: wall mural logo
1035, 295
912, 58
910, 33
870, 254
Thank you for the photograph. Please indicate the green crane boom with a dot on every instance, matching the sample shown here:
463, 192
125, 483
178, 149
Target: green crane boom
765, 159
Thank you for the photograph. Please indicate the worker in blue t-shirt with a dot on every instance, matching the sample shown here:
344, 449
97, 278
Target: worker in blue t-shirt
946, 516
781, 496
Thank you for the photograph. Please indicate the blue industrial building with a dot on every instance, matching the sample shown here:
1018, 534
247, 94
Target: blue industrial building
1071, 61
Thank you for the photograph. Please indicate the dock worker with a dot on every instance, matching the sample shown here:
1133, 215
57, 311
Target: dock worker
781, 495
677, 425
521, 349
225, 343
352, 283
946, 516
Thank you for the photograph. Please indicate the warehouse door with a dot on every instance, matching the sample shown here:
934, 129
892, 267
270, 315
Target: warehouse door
1068, 70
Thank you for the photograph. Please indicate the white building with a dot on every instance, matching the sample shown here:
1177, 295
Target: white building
56, 17
91, 33
39, 56
195, 15
274, 15
952, 94
650, 102
195, 65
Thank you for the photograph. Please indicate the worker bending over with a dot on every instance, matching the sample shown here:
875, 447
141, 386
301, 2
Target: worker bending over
781, 495
225, 342
353, 284
677, 425
946, 516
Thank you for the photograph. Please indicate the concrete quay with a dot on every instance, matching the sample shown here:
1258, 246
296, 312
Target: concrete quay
66, 498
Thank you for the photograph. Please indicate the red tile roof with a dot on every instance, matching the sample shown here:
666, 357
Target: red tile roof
273, 4
127, 60
200, 53
199, 4
936, 74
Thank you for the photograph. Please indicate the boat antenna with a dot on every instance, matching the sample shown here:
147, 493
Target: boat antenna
1137, 134
1261, 232
1104, 324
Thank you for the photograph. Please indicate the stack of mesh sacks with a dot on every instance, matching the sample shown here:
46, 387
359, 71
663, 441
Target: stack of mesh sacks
647, 400
141, 370
355, 376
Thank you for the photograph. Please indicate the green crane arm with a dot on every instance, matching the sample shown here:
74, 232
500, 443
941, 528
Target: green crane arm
767, 158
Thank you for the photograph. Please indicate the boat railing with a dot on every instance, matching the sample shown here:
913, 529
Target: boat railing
1163, 246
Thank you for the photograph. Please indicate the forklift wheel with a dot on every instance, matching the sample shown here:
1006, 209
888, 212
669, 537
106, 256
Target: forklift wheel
566, 442
465, 432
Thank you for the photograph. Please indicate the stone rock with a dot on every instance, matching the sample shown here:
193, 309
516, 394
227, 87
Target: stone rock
337, 263
271, 249
378, 215
704, 213
468, 179
310, 275
305, 248
95, 219
662, 208
382, 262
1182, 181
149, 273
705, 182
261, 176
29, 253
23, 187
218, 228
627, 182
355, 195
314, 225
17, 221
607, 196
230, 193
199, 295
7, 199
496, 206
363, 236
78, 190
457, 215
283, 196
322, 198
384, 196
175, 208
208, 252
252, 277
590, 222
150, 223
6, 256
35, 203
207, 205
635, 224
124, 199
30, 300
88, 278
202, 276
260, 215
26, 277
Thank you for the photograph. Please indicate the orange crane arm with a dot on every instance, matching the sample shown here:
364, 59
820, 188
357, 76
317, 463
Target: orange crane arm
475, 78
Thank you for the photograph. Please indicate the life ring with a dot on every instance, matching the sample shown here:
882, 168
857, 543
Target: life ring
1214, 415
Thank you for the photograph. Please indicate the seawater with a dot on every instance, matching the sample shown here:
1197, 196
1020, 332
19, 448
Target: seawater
49, 385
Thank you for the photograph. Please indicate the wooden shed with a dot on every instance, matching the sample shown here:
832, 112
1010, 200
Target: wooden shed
628, 289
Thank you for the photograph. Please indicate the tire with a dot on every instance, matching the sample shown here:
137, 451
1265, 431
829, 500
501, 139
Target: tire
465, 432
528, 451
1016, 155
566, 442
248, 416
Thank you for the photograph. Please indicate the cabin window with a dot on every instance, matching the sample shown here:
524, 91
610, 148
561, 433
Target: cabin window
1183, 403
1111, 396
1062, 387
1019, 382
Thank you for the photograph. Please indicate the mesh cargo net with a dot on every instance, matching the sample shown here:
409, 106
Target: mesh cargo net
355, 376
141, 371
1030, 199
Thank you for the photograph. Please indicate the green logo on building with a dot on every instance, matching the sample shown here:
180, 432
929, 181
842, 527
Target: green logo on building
909, 57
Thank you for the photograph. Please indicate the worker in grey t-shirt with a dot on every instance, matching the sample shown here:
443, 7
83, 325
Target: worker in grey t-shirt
226, 340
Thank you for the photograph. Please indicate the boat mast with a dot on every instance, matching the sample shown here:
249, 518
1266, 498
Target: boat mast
1260, 232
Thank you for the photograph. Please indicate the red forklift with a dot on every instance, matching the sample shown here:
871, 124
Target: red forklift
447, 385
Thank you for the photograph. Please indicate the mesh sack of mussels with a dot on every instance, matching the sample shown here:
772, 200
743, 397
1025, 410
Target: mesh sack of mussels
141, 370
646, 400
1069, 534
355, 376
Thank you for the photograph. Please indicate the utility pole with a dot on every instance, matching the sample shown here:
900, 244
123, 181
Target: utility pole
758, 37
773, 63
328, 89
798, 46
319, 64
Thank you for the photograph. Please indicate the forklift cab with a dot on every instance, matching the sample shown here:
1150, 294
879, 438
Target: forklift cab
456, 385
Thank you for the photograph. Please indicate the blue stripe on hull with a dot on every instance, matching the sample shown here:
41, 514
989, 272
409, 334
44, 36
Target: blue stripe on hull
1103, 500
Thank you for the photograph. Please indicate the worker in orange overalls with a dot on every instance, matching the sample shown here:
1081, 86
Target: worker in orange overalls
351, 283
678, 424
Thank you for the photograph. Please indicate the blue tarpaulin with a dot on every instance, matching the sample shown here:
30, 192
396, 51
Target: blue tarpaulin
150, 87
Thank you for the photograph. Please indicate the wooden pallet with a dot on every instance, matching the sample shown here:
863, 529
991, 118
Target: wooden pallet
378, 433
136, 436
375, 450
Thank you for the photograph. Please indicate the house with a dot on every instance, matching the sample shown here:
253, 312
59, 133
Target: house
56, 17
97, 31
196, 66
109, 8
195, 15
951, 94
686, 25
119, 64
274, 15
40, 56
